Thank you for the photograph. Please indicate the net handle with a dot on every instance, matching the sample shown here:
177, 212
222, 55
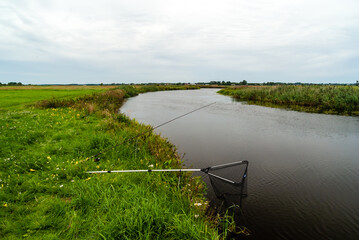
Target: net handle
147, 170
205, 170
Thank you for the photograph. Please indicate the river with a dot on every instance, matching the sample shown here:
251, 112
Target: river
303, 175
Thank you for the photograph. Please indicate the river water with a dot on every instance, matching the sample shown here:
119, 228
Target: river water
303, 175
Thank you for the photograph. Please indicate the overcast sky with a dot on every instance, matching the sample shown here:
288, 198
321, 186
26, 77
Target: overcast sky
130, 41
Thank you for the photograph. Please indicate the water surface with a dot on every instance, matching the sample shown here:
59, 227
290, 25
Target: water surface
303, 167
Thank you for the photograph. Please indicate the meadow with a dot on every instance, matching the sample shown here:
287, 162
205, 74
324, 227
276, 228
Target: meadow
45, 192
13, 97
343, 100
20, 96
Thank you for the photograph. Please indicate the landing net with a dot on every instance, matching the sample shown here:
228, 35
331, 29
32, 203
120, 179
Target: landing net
229, 180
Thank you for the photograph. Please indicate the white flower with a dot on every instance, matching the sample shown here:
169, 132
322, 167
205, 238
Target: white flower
150, 166
196, 216
198, 204
61, 185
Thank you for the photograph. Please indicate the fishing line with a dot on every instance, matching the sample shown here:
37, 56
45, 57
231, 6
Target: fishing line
141, 134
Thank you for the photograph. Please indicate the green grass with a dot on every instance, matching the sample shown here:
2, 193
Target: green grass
46, 194
342, 100
20, 97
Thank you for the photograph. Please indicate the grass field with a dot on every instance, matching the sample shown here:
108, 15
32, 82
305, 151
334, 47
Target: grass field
13, 97
342, 100
19, 96
46, 194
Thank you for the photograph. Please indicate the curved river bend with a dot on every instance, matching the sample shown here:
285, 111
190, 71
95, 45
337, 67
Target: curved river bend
303, 168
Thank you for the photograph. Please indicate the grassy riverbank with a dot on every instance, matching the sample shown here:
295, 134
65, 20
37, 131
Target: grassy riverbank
342, 100
46, 194
13, 97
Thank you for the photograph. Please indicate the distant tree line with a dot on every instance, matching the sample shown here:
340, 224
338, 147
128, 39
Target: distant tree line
220, 83
11, 84
223, 83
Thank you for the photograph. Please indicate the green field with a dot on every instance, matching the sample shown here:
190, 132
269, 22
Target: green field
14, 97
46, 194
343, 100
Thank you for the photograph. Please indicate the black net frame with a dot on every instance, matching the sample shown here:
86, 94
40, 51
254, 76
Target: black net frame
229, 180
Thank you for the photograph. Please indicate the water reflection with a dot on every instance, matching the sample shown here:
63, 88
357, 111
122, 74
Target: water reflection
304, 168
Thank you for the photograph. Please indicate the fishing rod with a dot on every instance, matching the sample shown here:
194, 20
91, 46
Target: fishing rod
96, 157
207, 170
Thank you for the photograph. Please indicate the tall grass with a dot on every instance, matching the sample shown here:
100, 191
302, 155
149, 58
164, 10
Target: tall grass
323, 99
46, 194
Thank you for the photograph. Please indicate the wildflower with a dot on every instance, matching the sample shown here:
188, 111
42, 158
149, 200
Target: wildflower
87, 179
48, 157
32, 170
97, 166
72, 180
5, 205
196, 216
150, 166
61, 186
198, 204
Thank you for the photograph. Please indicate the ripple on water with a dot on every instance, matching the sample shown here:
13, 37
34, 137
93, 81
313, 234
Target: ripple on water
303, 168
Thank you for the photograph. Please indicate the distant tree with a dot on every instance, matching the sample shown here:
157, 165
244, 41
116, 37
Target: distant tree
357, 83
244, 82
14, 84
215, 82
270, 83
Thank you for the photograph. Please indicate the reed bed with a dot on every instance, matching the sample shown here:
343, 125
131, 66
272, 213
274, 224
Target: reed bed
343, 100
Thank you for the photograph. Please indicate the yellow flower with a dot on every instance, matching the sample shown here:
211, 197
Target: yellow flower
32, 170
87, 179
97, 166
5, 205
48, 157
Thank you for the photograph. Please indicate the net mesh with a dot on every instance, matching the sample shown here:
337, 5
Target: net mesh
229, 180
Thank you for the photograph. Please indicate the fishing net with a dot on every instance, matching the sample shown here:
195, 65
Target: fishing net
229, 180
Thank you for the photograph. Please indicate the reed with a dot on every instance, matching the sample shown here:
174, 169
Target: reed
342, 100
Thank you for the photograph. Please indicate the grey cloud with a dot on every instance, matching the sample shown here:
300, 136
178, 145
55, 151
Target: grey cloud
149, 40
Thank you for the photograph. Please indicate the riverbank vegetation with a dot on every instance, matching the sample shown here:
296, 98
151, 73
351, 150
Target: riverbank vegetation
342, 100
45, 192
12, 97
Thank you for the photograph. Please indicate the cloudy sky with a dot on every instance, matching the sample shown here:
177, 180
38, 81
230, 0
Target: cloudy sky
131, 41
